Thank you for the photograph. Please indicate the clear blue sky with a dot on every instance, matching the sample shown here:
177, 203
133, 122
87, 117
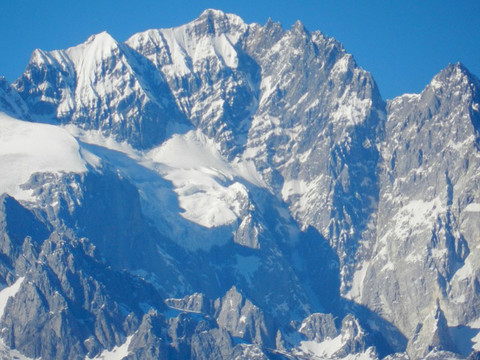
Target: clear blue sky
402, 43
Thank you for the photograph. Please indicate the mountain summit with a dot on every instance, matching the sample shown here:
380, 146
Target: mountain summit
223, 190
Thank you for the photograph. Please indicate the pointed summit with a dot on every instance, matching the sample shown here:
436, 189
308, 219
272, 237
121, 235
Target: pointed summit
101, 42
298, 27
454, 75
222, 21
212, 13
96, 48
39, 56
103, 37
433, 333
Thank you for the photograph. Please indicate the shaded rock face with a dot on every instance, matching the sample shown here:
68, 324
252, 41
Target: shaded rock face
318, 327
67, 302
432, 334
339, 206
11, 102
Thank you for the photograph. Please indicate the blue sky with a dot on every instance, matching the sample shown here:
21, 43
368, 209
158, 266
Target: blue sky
402, 43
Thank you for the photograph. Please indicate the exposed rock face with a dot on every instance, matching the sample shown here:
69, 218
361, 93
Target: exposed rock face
238, 190
426, 240
11, 102
318, 327
242, 319
432, 334
68, 303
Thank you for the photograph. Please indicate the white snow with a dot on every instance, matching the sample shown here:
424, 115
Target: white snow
475, 324
463, 146
89, 54
351, 110
417, 215
342, 65
435, 84
27, 148
203, 188
187, 50
476, 342
323, 350
466, 271
356, 290
473, 207
294, 187
203, 180
117, 353
327, 349
8, 293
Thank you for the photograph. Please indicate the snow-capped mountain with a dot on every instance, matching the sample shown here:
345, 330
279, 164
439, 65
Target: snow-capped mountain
236, 191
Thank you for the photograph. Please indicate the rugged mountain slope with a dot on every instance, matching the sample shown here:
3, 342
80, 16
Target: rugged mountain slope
102, 85
428, 213
231, 190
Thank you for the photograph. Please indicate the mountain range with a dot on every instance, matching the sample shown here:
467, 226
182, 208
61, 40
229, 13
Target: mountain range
223, 190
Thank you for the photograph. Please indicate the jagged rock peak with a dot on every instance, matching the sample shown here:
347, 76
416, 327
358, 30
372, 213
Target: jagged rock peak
299, 27
432, 334
454, 79
454, 75
217, 22
214, 14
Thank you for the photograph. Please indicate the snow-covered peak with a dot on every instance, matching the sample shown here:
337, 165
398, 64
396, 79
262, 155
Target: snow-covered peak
213, 35
96, 48
39, 57
212, 23
220, 17
103, 37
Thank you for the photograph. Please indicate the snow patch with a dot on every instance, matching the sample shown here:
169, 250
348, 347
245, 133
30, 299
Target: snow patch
466, 271
356, 289
473, 207
117, 353
294, 187
476, 342
416, 215
204, 181
324, 350
207, 190
8, 293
